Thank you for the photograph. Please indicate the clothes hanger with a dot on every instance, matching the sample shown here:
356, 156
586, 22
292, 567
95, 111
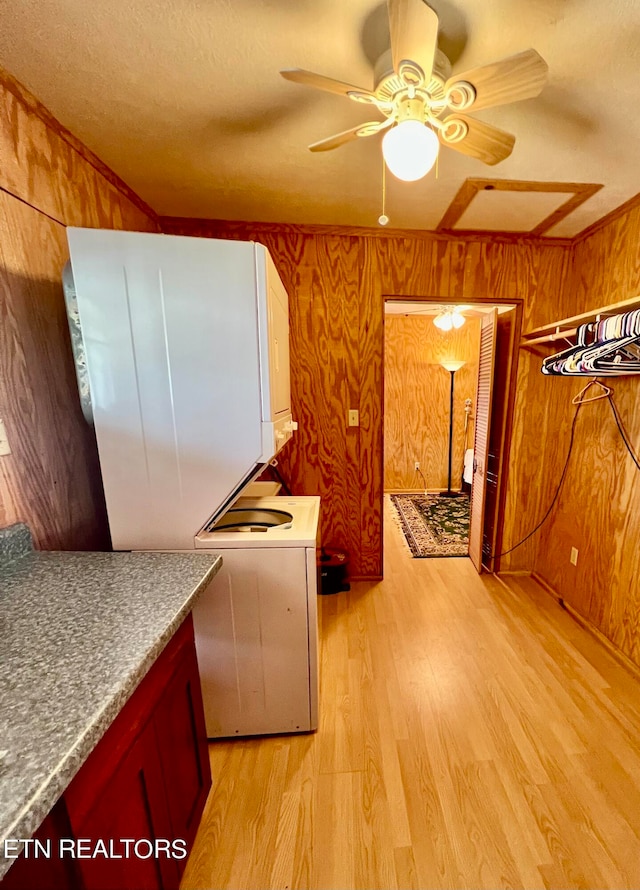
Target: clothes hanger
554, 364
579, 399
608, 347
612, 358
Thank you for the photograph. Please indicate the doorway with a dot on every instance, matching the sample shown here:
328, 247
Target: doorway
446, 422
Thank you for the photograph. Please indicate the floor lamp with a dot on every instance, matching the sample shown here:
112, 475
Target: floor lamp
451, 367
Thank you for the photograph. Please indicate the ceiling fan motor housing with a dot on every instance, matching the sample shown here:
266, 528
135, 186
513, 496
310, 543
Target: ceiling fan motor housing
411, 110
387, 83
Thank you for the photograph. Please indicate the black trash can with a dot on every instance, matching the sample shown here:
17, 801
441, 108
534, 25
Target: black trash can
332, 568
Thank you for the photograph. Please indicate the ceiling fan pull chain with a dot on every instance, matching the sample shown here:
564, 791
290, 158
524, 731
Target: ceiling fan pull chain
383, 219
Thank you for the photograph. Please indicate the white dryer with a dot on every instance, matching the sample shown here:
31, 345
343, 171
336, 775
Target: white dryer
256, 625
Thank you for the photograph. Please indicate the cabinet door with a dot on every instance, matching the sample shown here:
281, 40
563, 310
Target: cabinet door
133, 805
52, 872
182, 744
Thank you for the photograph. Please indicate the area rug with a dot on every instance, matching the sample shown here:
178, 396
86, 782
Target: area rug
432, 525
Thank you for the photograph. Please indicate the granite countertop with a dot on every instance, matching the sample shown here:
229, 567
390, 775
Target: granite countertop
78, 631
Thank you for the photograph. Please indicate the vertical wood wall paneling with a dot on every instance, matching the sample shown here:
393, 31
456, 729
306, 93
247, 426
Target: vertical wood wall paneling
368, 267
337, 326
370, 373
598, 512
51, 480
534, 444
416, 399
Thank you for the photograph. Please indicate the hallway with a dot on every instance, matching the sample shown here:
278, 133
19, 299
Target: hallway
471, 737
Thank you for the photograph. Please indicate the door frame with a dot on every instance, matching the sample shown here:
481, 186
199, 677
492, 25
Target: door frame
510, 389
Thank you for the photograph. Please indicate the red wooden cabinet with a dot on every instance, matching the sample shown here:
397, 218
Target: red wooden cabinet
182, 743
129, 815
140, 795
45, 873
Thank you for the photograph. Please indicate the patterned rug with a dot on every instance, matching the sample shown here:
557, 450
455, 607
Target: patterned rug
432, 525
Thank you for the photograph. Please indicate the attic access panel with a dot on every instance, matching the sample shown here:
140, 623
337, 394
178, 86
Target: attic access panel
509, 205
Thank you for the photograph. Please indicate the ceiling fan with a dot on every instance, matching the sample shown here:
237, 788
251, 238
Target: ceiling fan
423, 104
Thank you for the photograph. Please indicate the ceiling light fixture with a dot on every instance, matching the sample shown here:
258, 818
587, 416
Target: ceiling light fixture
410, 150
449, 318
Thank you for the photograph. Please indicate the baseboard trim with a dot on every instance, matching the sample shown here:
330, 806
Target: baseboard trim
611, 648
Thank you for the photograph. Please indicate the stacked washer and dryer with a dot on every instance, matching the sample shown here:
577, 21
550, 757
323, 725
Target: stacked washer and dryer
182, 355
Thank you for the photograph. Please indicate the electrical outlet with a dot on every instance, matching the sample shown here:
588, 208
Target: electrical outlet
416, 466
4, 443
573, 559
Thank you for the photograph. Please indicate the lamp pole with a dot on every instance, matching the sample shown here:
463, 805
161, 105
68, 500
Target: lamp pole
451, 367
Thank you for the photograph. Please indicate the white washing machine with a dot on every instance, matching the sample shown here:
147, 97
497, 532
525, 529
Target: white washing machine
256, 625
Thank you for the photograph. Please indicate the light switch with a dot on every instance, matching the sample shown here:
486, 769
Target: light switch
4, 444
354, 417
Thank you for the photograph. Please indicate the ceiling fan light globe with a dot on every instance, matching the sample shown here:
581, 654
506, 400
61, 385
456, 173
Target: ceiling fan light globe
457, 319
443, 321
410, 150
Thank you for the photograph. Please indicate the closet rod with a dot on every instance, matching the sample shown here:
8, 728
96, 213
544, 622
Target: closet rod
567, 326
551, 338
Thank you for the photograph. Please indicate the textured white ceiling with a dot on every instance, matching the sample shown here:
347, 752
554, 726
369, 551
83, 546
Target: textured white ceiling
182, 98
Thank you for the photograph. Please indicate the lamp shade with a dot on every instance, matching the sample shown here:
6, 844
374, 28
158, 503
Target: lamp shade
410, 150
452, 365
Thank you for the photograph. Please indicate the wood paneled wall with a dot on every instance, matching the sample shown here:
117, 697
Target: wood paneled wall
337, 282
599, 507
417, 398
51, 480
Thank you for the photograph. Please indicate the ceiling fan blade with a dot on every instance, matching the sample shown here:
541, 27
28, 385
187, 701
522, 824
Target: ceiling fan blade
368, 129
518, 77
414, 36
476, 139
320, 82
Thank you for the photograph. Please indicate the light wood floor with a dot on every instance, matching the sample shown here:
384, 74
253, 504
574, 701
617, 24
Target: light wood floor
471, 737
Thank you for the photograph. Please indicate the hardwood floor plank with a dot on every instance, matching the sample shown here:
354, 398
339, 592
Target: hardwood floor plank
304, 866
525, 848
218, 837
283, 871
406, 868
391, 773
472, 735
587, 869
260, 831
435, 859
